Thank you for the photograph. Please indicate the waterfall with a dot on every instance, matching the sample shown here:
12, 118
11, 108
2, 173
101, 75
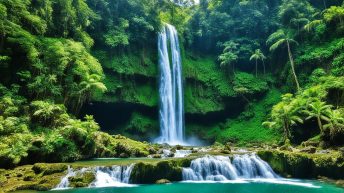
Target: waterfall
220, 168
64, 181
171, 87
115, 176
112, 176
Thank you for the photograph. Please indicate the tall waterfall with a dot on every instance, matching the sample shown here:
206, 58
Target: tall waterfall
171, 87
220, 168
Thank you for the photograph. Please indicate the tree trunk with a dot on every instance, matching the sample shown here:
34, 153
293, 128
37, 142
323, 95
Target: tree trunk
292, 66
263, 67
256, 68
320, 125
324, 1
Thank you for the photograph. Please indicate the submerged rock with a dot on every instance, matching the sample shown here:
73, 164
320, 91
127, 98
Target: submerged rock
162, 181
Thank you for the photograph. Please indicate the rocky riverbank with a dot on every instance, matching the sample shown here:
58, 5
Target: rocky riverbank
324, 165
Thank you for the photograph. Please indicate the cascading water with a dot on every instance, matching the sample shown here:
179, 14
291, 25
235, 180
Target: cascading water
220, 168
115, 176
171, 88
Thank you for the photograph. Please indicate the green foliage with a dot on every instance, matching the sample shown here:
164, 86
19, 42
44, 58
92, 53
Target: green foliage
310, 104
229, 54
245, 83
247, 129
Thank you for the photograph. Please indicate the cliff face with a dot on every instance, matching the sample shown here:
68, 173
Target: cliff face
130, 106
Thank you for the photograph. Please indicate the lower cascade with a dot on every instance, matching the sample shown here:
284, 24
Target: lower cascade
104, 176
220, 168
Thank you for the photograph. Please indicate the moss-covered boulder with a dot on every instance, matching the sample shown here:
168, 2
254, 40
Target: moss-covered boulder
305, 165
82, 179
40, 177
146, 173
46, 169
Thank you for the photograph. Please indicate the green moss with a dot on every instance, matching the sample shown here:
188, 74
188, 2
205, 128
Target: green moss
141, 125
117, 145
207, 71
127, 89
304, 165
171, 170
46, 169
132, 63
25, 178
247, 128
202, 99
82, 179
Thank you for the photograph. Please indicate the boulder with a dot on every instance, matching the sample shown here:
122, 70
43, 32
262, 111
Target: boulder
47, 169
163, 181
82, 179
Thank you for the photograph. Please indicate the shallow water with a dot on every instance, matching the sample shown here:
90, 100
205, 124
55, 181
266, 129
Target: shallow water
289, 186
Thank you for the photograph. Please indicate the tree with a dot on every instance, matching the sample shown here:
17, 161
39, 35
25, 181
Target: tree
92, 83
280, 38
335, 122
318, 110
47, 112
334, 13
229, 54
258, 55
284, 115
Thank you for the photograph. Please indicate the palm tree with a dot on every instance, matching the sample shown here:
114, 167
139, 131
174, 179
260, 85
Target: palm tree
229, 54
278, 39
258, 55
284, 115
318, 110
335, 122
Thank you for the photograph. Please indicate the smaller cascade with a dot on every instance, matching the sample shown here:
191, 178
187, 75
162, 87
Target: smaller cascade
182, 153
114, 176
64, 184
220, 168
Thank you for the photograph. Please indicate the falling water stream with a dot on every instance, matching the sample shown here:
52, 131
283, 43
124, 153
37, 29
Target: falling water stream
171, 88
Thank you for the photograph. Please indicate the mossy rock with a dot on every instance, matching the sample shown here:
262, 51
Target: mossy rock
82, 180
304, 165
3, 179
144, 173
25, 177
46, 169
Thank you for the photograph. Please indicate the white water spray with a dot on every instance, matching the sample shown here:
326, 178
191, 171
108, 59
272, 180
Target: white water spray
171, 88
115, 176
220, 168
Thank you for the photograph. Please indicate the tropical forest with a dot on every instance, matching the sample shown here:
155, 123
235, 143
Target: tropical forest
172, 96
